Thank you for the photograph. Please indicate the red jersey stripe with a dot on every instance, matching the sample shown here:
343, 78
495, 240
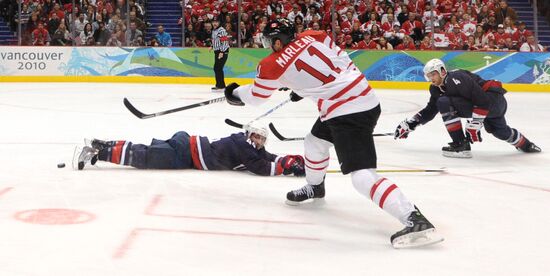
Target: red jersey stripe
347, 88
195, 152
336, 105
386, 193
263, 86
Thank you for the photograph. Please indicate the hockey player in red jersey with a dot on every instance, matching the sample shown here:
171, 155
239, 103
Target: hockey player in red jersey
314, 67
462, 94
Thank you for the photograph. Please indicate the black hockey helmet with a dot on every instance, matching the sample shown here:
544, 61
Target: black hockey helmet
281, 29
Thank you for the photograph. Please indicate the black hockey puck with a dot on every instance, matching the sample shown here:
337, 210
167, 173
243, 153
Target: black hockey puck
61, 165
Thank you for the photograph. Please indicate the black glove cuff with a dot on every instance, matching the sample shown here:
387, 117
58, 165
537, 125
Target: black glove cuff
231, 99
295, 97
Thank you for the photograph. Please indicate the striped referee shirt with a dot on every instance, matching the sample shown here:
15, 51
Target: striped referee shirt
220, 40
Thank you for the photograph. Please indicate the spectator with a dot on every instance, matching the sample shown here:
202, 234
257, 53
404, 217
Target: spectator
500, 36
246, 36
383, 44
53, 23
25, 16
98, 20
61, 36
407, 44
457, 39
367, 42
509, 27
509, 45
132, 35
57, 10
40, 36
163, 38
348, 43
87, 35
78, 25
504, 11
531, 45
102, 35
113, 22
426, 44
294, 13
520, 36
471, 44
114, 41
395, 35
139, 23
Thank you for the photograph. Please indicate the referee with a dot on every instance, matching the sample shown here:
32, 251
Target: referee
220, 44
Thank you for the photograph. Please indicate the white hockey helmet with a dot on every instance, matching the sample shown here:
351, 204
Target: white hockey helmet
256, 127
434, 65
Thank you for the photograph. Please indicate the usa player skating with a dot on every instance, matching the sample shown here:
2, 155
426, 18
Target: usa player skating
240, 151
314, 67
462, 94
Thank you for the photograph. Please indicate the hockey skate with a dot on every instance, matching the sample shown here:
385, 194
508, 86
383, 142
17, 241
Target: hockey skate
83, 156
314, 192
529, 147
97, 144
457, 150
419, 232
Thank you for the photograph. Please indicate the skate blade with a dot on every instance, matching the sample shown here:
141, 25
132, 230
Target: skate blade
462, 154
312, 201
75, 164
417, 239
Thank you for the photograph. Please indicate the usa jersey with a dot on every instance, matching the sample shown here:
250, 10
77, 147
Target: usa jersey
313, 66
232, 153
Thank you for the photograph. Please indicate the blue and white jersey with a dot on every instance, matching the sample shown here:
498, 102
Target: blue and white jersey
235, 152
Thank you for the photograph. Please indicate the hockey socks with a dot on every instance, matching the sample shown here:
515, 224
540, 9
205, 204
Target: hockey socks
383, 193
521, 143
117, 152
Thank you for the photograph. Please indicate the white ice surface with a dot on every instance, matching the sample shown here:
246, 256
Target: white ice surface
493, 210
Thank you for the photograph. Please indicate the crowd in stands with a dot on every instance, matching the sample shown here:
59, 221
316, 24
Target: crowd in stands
489, 25
87, 23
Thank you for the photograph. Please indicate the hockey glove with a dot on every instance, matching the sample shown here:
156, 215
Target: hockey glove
232, 99
473, 130
404, 128
292, 164
295, 97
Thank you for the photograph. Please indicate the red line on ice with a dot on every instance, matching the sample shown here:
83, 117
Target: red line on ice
149, 210
132, 236
5, 190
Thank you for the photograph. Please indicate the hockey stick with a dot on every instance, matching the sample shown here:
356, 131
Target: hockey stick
282, 138
142, 115
238, 125
399, 171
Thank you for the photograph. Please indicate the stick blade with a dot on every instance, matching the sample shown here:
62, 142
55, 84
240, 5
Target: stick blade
233, 123
134, 110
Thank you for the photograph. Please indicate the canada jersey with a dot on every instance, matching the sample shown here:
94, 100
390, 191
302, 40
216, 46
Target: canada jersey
313, 66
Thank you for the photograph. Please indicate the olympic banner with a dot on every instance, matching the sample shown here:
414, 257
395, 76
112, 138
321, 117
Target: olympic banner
402, 66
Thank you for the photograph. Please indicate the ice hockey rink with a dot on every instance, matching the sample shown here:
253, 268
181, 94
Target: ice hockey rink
493, 210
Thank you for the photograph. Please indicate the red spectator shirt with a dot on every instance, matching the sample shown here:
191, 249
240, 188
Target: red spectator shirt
402, 46
364, 45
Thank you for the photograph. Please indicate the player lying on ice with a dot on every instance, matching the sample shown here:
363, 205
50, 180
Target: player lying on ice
314, 67
239, 151
462, 94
